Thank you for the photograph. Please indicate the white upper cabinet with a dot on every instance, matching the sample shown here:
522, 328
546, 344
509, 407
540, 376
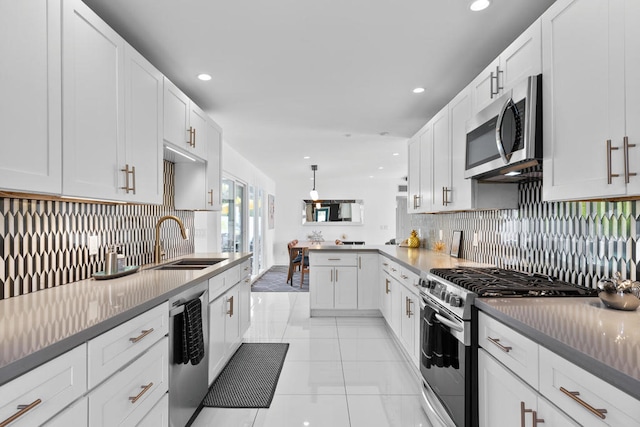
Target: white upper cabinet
141, 177
214, 166
441, 162
521, 59
184, 122
413, 182
93, 107
30, 114
459, 113
591, 95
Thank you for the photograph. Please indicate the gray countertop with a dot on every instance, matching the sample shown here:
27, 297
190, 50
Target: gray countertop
39, 326
601, 340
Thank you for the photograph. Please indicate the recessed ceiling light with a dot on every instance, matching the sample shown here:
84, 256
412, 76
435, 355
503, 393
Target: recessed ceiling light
370, 176
380, 167
418, 90
478, 5
204, 77
395, 154
306, 157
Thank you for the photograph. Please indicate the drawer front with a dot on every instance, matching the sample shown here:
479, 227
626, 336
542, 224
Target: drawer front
217, 285
409, 279
76, 415
561, 379
159, 414
47, 389
334, 259
245, 269
112, 350
512, 349
125, 398
385, 264
233, 276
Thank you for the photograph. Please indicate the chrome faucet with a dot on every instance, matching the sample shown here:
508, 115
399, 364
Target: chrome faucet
158, 254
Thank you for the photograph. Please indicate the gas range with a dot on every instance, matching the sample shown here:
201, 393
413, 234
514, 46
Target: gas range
457, 288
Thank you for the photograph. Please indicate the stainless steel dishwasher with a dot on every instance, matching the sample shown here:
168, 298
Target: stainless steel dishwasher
188, 384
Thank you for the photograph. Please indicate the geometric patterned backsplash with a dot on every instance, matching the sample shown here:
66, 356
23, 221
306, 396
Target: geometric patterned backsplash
579, 242
44, 243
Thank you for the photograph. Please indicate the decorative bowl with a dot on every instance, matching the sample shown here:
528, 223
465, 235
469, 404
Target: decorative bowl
620, 300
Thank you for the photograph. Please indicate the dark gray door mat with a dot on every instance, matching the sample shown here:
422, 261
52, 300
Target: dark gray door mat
250, 377
275, 280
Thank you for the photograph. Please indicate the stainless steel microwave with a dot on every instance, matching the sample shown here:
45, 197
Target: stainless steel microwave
506, 137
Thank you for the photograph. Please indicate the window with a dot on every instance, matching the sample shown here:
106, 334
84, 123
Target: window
232, 216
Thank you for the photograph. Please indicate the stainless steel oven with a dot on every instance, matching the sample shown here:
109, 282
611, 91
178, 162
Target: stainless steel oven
446, 358
506, 137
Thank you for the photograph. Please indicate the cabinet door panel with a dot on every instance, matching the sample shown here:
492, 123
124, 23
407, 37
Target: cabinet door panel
500, 394
459, 114
483, 86
368, 279
214, 167
176, 116
321, 287
217, 347
426, 171
441, 161
522, 58
198, 122
413, 182
93, 94
632, 90
143, 122
583, 92
346, 288
30, 114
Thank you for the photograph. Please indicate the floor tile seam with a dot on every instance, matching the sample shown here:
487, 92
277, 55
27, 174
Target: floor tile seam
344, 380
383, 394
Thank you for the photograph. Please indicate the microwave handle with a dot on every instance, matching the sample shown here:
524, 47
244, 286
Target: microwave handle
507, 105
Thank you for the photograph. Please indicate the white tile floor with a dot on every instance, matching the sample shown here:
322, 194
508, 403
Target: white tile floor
339, 372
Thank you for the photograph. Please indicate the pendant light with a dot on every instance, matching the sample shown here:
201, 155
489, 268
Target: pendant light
313, 193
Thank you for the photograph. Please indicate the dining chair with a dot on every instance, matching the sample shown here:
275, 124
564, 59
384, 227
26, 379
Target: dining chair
294, 259
304, 266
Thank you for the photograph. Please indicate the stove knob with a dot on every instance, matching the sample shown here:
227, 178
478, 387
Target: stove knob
447, 297
443, 293
455, 301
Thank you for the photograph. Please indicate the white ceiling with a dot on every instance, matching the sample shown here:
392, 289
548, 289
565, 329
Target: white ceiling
292, 78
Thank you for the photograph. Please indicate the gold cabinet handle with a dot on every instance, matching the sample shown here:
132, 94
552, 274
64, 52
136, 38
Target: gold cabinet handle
230, 301
22, 409
385, 264
574, 396
496, 341
386, 284
145, 388
333, 259
445, 196
211, 197
626, 145
360, 262
533, 413
336, 276
410, 312
192, 136
142, 335
128, 172
393, 269
609, 174
404, 277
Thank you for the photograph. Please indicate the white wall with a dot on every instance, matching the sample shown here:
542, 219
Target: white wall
379, 211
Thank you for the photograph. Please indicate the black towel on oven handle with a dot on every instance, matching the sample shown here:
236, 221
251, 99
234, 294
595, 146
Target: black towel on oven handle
193, 329
439, 347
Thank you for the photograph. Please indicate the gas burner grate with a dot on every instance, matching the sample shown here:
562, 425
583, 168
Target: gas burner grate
499, 282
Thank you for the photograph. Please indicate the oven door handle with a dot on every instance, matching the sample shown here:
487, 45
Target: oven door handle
449, 323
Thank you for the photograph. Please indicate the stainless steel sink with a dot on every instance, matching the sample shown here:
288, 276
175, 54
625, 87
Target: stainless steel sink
190, 264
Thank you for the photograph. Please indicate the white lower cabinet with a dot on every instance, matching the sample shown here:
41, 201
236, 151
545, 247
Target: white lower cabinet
520, 381
36, 396
76, 415
224, 329
158, 416
334, 287
110, 351
506, 400
385, 296
588, 399
244, 304
368, 274
410, 324
126, 398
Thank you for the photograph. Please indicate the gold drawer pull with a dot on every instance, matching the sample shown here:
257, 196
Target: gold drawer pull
142, 335
145, 388
574, 395
334, 259
210, 197
230, 301
496, 341
386, 283
22, 409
